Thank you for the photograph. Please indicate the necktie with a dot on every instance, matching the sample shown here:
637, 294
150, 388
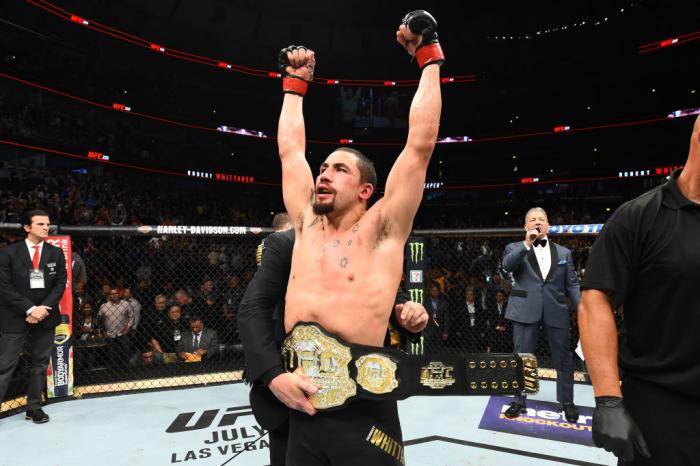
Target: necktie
196, 341
35, 259
540, 242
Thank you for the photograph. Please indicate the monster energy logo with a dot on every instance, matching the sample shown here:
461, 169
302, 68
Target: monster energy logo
416, 251
416, 295
417, 347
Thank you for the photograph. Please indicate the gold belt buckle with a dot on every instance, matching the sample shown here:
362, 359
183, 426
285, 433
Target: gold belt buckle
325, 360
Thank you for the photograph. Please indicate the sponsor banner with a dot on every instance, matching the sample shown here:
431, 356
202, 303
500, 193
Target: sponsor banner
543, 420
414, 278
414, 268
218, 436
59, 375
203, 230
586, 229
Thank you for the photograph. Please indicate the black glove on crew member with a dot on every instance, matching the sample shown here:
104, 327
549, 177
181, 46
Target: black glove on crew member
614, 429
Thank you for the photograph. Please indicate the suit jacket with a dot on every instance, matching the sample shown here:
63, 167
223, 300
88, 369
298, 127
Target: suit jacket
464, 335
496, 319
535, 298
209, 341
438, 321
261, 326
16, 297
500, 341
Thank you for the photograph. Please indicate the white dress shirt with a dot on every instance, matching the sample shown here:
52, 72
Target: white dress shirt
544, 258
471, 313
499, 308
136, 307
30, 248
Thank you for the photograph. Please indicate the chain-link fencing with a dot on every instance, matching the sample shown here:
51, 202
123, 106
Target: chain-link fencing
155, 307
467, 291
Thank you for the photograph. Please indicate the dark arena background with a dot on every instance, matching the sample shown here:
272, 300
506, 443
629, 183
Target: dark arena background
147, 130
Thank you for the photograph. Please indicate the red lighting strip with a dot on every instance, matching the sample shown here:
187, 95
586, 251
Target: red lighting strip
91, 159
541, 182
263, 183
691, 36
110, 162
181, 54
121, 108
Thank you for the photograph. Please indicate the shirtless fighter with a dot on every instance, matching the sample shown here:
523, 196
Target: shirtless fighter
347, 259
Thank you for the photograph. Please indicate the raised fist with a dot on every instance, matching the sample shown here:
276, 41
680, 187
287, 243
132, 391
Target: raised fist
407, 39
418, 35
297, 61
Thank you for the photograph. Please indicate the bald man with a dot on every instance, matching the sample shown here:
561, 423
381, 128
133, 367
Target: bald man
647, 259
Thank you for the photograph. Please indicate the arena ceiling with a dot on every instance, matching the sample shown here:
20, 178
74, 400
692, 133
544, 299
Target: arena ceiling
537, 65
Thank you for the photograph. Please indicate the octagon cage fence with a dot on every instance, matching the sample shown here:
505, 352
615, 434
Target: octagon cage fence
137, 290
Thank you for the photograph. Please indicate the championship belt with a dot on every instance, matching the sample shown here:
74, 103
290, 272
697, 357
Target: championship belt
346, 371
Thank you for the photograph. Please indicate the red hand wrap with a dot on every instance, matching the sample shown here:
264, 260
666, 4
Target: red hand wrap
431, 53
294, 85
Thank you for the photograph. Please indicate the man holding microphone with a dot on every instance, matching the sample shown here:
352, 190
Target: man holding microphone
545, 289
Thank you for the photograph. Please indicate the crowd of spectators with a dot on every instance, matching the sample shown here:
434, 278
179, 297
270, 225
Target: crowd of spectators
146, 302
109, 198
137, 298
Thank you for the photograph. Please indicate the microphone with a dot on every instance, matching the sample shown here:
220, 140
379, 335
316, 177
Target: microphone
532, 235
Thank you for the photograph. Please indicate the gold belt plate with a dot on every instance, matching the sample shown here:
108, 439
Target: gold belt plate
437, 375
325, 360
376, 373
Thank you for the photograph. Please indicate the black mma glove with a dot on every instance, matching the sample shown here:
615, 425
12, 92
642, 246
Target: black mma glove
429, 51
292, 83
615, 431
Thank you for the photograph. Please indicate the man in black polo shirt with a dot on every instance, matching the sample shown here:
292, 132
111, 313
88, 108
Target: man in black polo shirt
647, 260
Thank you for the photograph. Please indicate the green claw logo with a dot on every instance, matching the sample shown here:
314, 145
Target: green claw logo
417, 347
416, 295
416, 251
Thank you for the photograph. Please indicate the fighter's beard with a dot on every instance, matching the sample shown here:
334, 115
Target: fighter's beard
323, 209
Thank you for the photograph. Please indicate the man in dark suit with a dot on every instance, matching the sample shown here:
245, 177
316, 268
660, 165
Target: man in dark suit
500, 333
469, 324
437, 331
545, 289
32, 280
261, 328
201, 341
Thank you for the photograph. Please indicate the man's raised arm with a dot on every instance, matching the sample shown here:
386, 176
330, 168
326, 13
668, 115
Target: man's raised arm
297, 66
404, 187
